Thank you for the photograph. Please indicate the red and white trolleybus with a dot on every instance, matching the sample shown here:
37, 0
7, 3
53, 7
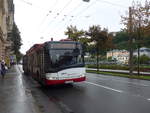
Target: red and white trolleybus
55, 62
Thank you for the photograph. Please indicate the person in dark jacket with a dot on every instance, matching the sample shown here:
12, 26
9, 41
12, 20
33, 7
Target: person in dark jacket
3, 70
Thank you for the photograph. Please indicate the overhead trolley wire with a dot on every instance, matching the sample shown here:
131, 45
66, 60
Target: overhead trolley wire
66, 15
61, 11
81, 11
29, 3
67, 4
77, 6
104, 1
63, 8
84, 10
107, 2
78, 13
114, 4
50, 11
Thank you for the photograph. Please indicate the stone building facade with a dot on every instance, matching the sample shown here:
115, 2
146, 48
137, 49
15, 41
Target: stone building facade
6, 26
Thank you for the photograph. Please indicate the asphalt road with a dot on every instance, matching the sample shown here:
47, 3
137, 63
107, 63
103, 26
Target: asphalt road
101, 94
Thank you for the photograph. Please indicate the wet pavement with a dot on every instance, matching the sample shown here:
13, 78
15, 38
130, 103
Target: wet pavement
103, 94
16, 96
98, 94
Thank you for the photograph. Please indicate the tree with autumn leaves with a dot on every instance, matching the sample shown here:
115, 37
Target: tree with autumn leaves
137, 25
136, 31
99, 38
77, 35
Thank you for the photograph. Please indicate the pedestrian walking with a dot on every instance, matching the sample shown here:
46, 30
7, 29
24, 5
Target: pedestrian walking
3, 69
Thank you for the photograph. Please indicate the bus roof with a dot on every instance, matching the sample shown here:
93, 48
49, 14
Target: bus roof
36, 47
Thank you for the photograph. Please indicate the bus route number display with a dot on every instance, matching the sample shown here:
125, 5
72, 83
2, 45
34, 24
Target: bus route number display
62, 46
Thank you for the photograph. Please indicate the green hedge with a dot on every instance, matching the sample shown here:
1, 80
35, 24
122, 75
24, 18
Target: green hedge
120, 75
119, 67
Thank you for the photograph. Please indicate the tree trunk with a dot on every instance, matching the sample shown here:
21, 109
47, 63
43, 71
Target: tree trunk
97, 57
131, 61
138, 60
139, 40
130, 42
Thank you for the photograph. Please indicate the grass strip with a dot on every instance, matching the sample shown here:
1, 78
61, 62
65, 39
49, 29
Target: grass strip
142, 77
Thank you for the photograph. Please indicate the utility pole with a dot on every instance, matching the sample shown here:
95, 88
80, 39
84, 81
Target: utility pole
130, 29
139, 40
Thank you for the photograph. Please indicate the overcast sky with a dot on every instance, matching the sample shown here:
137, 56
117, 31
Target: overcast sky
40, 20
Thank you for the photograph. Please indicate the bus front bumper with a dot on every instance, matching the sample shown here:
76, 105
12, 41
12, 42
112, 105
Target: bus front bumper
55, 82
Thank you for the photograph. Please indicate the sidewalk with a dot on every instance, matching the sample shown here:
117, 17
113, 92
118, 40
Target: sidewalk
14, 97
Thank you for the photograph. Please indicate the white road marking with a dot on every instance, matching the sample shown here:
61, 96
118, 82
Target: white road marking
119, 81
139, 84
119, 91
148, 99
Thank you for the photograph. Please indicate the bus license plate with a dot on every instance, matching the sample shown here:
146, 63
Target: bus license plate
71, 81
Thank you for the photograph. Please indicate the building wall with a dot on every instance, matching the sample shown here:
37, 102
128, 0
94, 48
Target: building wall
1, 50
6, 23
143, 51
121, 56
1, 28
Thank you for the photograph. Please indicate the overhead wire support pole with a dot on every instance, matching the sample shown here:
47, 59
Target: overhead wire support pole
138, 46
130, 29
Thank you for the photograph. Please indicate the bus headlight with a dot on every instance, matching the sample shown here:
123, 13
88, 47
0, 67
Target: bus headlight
52, 76
82, 75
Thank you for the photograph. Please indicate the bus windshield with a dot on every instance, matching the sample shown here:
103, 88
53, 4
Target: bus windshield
65, 57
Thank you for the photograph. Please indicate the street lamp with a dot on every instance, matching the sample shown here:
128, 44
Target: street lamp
86, 0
